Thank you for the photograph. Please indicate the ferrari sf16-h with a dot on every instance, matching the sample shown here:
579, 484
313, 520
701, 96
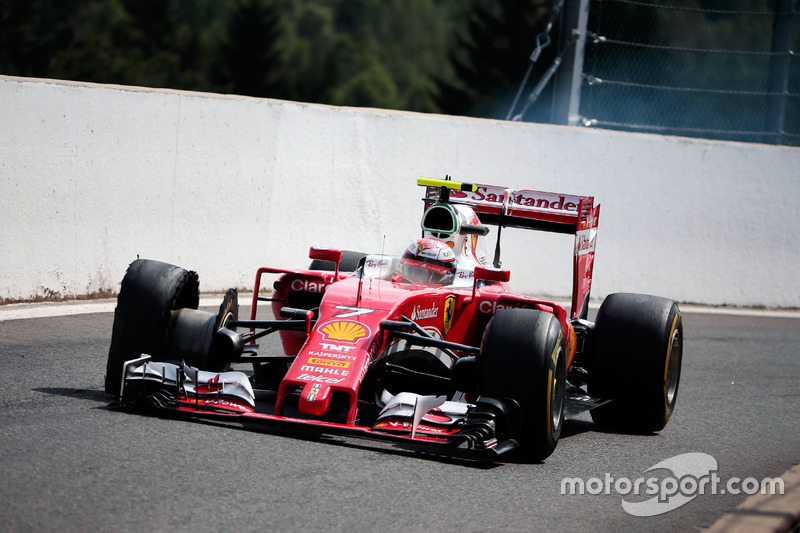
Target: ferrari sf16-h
431, 347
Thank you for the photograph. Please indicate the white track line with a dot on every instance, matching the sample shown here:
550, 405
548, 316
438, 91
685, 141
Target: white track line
82, 307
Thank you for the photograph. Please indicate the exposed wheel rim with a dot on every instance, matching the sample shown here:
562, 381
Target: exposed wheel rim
557, 394
228, 310
673, 366
226, 319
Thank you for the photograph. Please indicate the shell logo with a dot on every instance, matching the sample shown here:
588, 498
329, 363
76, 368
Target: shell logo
344, 330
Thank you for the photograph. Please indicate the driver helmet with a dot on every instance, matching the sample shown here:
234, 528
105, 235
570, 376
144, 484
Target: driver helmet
429, 261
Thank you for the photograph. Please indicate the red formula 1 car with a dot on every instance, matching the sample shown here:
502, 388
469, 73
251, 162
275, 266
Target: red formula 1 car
429, 347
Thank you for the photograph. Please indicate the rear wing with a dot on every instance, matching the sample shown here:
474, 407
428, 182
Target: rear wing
527, 209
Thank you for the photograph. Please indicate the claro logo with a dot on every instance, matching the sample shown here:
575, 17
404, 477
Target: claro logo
490, 308
305, 285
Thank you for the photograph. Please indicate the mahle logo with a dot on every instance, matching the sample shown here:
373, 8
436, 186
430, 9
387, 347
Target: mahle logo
690, 475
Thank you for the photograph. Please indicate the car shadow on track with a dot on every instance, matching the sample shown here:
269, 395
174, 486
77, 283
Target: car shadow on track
84, 394
106, 402
456, 457
576, 427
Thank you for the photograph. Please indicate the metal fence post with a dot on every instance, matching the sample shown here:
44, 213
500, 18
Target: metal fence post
567, 88
779, 63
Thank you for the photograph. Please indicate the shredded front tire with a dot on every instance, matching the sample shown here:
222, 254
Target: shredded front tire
149, 291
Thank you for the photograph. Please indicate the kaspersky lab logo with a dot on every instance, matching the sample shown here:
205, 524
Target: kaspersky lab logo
682, 479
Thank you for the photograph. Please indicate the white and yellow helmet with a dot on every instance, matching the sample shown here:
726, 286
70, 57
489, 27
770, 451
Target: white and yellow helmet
460, 228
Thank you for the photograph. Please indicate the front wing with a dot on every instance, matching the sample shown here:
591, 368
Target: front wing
408, 419
482, 428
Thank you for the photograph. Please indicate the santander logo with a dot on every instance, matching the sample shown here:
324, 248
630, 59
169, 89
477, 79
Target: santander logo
532, 199
584, 241
421, 313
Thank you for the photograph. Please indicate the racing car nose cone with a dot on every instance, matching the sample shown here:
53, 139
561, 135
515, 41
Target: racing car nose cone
315, 399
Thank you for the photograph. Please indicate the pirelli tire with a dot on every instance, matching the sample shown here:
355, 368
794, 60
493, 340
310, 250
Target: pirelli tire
149, 292
349, 262
638, 352
523, 358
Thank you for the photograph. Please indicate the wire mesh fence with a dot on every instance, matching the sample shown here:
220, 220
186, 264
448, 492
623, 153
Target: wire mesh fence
718, 69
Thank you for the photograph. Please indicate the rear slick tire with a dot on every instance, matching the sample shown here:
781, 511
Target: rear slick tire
638, 351
150, 290
523, 358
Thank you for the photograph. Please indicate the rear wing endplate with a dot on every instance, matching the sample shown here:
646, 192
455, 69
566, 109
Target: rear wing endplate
528, 209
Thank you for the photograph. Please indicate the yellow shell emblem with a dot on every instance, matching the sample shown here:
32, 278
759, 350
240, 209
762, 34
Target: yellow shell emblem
344, 330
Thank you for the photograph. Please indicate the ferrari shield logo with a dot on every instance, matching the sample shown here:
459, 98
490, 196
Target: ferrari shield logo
449, 311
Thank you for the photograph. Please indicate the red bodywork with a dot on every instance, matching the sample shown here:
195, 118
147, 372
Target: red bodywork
348, 336
346, 327
334, 355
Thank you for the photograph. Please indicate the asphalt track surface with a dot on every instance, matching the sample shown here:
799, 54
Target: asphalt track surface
70, 461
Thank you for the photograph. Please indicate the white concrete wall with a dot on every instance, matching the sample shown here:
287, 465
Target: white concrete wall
92, 176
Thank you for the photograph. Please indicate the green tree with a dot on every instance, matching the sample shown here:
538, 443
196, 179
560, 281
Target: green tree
31, 32
401, 45
312, 45
490, 58
370, 86
98, 50
252, 58
124, 41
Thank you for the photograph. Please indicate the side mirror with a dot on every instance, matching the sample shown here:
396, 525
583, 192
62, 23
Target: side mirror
487, 274
327, 254
491, 274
